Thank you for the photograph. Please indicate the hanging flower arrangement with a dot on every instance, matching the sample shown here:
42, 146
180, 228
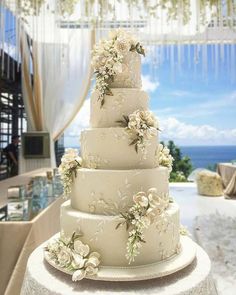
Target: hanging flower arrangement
70, 162
147, 208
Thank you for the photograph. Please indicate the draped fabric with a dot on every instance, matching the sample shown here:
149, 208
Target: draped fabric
55, 39
55, 89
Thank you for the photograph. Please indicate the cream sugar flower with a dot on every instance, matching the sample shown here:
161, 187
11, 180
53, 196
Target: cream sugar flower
64, 257
147, 207
73, 255
164, 157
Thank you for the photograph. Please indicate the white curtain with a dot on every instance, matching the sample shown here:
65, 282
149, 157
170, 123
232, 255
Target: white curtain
61, 78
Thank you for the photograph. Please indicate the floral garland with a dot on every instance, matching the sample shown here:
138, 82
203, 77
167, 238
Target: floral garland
164, 157
74, 256
70, 162
107, 59
141, 126
145, 211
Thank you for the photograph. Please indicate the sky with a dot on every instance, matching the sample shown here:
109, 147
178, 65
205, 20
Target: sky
193, 108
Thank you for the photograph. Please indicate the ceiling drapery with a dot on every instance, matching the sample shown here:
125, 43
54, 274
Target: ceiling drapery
163, 25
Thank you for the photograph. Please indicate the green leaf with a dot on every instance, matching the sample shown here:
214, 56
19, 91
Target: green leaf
102, 102
108, 92
119, 224
134, 141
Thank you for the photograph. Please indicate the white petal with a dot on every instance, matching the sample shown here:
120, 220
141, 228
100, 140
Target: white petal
78, 275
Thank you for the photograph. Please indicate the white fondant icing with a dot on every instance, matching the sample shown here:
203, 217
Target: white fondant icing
109, 148
111, 191
130, 77
124, 101
100, 233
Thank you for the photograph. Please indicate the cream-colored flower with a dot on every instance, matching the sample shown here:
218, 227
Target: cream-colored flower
92, 261
146, 221
91, 271
53, 246
81, 248
122, 45
64, 257
78, 275
78, 261
141, 199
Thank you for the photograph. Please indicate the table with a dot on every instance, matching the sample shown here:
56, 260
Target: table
227, 171
19, 238
42, 279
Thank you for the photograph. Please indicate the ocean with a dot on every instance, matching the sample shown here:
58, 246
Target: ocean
203, 156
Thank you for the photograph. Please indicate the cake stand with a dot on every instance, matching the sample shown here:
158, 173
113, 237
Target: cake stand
43, 279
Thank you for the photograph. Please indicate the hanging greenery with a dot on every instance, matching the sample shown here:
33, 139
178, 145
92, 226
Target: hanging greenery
175, 10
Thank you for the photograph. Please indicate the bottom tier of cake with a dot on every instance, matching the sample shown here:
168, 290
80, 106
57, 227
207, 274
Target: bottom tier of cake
100, 233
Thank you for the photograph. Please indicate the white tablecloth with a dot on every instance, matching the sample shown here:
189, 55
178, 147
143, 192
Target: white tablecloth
43, 279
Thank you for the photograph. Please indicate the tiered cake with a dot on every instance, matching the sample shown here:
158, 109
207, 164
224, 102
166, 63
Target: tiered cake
119, 197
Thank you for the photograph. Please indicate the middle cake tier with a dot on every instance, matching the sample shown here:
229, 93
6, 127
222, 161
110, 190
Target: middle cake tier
111, 191
110, 148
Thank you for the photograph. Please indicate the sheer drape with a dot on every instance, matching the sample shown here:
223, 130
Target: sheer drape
56, 79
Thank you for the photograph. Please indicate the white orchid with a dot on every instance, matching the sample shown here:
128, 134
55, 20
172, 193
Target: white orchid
73, 255
78, 261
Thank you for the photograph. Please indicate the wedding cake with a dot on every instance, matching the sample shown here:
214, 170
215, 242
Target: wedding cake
119, 222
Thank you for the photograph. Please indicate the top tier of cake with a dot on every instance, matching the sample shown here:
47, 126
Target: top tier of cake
126, 95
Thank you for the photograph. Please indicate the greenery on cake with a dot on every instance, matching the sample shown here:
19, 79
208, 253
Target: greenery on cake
147, 208
70, 163
141, 126
108, 56
74, 256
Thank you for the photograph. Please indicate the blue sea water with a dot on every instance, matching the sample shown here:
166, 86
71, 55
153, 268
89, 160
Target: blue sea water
203, 156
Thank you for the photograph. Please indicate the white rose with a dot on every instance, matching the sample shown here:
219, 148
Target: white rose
81, 248
64, 257
93, 260
152, 213
91, 271
122, 46
141, 199
78, 275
